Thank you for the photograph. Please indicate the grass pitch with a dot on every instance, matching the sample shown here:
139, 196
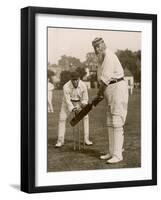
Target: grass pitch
66, 159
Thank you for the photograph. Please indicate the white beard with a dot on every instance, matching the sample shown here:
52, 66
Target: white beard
100, 57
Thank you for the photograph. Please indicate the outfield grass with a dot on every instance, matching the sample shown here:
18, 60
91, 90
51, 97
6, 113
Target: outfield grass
66, 159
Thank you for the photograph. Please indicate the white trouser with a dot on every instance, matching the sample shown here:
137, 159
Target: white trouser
116, 96
64, 113
115, 138
50, 106
118, 142
110, 140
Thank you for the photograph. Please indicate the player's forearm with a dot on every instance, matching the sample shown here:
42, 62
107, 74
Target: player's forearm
84, 101
102, 88
69, 104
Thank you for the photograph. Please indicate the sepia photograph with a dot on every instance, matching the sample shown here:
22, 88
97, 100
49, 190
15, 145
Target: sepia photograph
94, 99
89, 91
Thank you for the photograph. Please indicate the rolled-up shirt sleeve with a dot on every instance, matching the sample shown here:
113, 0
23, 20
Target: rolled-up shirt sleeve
106, 79
107, 72
111, 68
67, 99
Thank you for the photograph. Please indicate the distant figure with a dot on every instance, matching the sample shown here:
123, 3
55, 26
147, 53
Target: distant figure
74, 99
50, 95
114, 88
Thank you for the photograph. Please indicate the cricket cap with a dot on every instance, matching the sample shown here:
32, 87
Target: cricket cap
74, 75
97, 41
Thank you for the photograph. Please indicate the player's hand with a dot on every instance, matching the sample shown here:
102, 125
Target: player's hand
97, 99
100, 93
101, 90
76, 110
83, 105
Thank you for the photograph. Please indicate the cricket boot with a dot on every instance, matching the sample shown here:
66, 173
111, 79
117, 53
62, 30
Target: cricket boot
59, 143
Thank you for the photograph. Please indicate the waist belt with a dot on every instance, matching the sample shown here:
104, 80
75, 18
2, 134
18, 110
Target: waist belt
73, 100
116, 80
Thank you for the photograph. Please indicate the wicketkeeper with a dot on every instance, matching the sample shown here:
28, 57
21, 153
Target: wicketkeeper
114, 88
74, 99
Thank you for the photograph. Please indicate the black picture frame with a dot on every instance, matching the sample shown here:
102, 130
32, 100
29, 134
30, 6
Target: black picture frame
28, 91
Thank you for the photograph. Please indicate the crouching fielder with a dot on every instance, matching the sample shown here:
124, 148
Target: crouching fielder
115, 91
74, 99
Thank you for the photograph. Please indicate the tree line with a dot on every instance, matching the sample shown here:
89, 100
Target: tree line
129, 59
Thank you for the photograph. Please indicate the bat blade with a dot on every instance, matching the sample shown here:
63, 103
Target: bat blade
85, 110
81, 114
